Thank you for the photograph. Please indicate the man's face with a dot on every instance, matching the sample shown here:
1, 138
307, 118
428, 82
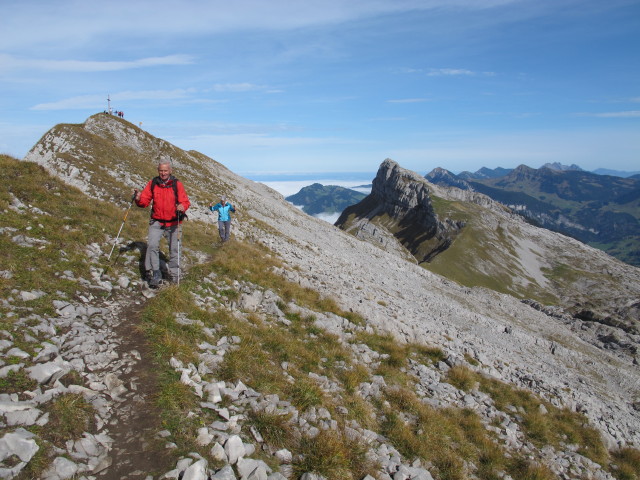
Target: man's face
163, 172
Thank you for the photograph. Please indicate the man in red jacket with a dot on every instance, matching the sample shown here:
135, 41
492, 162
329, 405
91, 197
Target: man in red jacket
169, 203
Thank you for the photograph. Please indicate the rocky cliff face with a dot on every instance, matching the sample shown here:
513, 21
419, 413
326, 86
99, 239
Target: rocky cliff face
533, 346
399, 212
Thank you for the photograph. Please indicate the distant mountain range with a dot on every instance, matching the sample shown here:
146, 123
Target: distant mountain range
327, 199
485, 172
600, 210
617, 173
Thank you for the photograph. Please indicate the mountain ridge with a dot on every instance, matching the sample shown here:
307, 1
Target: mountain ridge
600, 210
485, 172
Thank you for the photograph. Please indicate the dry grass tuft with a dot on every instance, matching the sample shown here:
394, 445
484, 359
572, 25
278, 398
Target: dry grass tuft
274, 428
461, 377
625, 464
334, 455
444, 437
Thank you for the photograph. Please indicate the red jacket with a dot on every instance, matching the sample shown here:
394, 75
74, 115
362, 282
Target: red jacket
164, 200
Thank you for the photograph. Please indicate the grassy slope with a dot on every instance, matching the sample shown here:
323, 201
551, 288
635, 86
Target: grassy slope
64, 223
68, 222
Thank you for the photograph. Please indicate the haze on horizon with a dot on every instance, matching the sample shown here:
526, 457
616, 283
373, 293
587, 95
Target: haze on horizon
336, 85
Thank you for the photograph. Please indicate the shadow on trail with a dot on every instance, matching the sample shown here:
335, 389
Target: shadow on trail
142, 248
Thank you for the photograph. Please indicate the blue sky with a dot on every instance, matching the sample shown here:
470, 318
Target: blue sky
292, 86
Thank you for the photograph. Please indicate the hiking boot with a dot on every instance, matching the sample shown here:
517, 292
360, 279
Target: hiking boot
154, 282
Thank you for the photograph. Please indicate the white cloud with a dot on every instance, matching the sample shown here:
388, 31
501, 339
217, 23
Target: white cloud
9, 62
328, 217
259, 140
408, 100
236, 87
178, 93
437, 72
456, 72
97, 102
35, 22
624, 114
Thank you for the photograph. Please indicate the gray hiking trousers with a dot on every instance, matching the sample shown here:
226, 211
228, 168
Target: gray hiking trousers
152, 259
224, 229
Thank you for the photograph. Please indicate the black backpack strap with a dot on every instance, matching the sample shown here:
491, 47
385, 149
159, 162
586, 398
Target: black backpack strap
157, 181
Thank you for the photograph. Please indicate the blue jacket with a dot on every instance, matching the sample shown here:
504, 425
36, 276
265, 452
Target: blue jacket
223, 211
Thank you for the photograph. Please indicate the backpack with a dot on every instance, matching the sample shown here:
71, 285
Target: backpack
156, 181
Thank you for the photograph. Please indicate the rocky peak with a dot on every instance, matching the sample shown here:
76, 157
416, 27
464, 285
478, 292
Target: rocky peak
522, 171
400, 201
401, 191
561, 167
441, 176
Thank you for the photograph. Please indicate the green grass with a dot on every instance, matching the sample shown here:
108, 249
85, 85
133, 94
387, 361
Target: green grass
177, 404
262, 343
67, 232
70, 415
16, 382
524, 469
304, 394
461, 377
396, 355
275, 429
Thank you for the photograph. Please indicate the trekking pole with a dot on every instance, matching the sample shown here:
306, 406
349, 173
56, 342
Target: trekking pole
179, 249
133, 198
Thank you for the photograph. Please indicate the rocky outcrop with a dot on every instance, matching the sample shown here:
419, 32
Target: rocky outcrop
399, 207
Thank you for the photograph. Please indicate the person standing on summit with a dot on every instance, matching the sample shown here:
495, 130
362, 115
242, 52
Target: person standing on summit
169, 203
224, 217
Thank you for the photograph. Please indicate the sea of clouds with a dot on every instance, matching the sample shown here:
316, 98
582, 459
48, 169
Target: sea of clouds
291, 184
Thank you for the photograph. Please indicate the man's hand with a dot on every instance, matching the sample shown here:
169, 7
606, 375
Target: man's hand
136, 195
180, 208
